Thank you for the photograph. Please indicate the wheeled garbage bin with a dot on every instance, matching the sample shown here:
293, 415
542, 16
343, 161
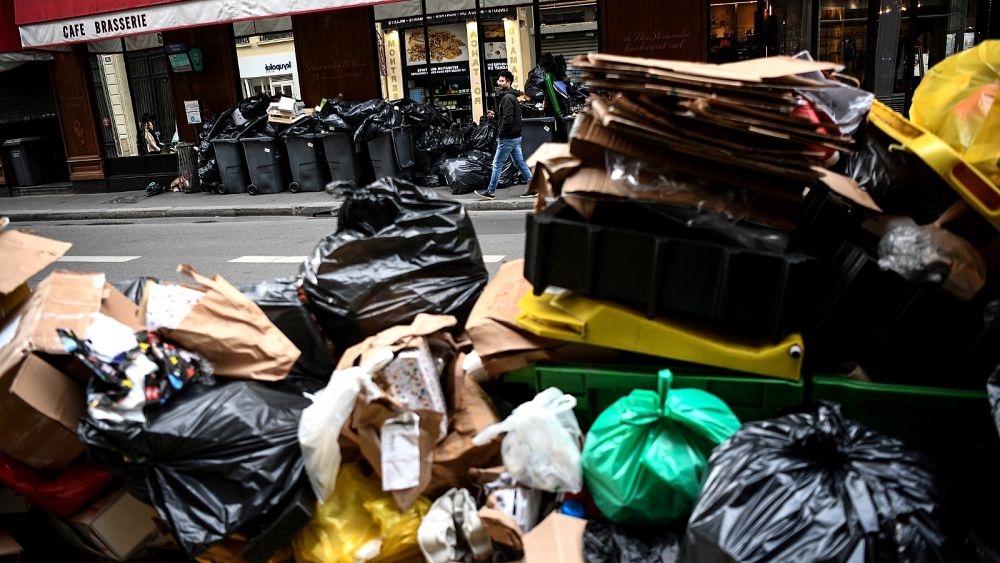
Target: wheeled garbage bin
392, 153
535, 131
341, 158
266, 164
232, 166
28, 156
307, 163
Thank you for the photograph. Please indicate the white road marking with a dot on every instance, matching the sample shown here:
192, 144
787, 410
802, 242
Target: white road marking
269, 259
493, 258
98, 258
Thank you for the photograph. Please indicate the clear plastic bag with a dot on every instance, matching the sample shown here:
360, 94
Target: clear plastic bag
542, 446
319, 427
930, 254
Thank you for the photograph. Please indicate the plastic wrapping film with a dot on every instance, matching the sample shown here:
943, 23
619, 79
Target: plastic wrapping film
929, 254
816, 487
719, 212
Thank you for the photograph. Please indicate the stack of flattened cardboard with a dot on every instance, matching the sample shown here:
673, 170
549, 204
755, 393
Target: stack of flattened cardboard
738, 126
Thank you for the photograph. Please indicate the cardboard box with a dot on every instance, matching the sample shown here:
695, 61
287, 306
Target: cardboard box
40, 406
23, 256
10, 550
557, 538
501, 344
116, 526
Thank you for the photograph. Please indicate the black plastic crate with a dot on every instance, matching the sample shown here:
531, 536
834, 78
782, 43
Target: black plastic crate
759, 291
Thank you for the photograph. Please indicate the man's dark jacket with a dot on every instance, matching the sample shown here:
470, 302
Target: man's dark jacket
509, 115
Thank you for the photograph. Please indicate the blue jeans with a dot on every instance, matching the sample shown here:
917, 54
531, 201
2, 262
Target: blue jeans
505, 149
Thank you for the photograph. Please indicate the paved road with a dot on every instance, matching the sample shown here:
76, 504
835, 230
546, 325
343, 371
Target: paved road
242, 250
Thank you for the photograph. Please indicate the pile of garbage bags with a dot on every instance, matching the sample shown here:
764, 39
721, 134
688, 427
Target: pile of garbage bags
389, 401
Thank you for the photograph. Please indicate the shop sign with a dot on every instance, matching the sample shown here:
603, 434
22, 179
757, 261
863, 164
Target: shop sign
475, 71
448, 17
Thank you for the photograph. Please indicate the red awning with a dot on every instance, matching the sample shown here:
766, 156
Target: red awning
33, 11
46, 23
10, 40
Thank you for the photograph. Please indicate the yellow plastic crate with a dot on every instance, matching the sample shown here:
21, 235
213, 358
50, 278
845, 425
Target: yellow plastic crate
574, 318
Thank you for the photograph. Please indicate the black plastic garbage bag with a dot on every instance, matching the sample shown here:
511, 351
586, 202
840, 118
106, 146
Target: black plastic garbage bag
382, 121
468, 172
399, 250
427, 180
279, 299
455, 139
607, 543
483, 137
253, 107
816, 487
511, 175
534, 86
430, 141
419, 116
847, 106
214, 459
304, 126
134, 288
355, 113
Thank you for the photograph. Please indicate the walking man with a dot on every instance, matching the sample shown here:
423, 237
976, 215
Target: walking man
508, 136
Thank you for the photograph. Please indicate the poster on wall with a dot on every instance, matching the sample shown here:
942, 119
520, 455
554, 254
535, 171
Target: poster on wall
449, 50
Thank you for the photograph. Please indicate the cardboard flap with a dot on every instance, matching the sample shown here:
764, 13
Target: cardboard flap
397, 337
8, 545
50, 392
557, 538
24, 255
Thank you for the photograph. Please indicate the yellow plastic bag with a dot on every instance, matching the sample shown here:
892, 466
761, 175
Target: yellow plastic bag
955, 101
357, 517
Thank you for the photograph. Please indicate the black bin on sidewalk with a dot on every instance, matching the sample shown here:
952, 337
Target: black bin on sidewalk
392, 153
535, 131
28, 156
232, 166
341, 158
307, 162
266, 164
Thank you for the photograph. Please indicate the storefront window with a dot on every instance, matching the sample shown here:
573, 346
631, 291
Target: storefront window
265, 51
843, 25
467, 50
133, 97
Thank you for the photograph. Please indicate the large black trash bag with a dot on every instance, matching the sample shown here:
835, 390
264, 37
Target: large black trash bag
468, 172
279, 299
134, 288
253, 107
483, 137
511, 175
534, 86
455, 140
355, 113
399, 250
816, 487
212, 460
385, 119
607, 543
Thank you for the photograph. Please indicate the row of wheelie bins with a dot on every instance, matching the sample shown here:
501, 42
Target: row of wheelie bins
307, 162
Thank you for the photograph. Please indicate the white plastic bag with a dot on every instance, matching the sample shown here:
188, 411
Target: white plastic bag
542, 446
321, 422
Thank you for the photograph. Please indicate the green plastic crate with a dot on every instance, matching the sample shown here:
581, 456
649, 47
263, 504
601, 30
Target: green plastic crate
596, 388
934, 420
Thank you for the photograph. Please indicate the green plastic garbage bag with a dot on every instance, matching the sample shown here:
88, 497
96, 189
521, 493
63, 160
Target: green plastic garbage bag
645, 456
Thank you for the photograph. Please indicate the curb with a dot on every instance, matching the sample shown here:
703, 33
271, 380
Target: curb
194, 212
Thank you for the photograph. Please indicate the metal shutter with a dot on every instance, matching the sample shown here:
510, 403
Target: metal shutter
26, 94
570, 44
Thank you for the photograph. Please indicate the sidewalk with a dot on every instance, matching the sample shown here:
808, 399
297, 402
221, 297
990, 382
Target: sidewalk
135, 205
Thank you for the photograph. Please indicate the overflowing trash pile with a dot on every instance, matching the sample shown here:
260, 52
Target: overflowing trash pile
755, 322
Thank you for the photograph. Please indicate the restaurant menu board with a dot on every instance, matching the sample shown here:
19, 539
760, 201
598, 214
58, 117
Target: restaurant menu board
449, 50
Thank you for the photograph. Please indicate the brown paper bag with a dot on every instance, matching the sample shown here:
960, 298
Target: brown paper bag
233, 333
471, 411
